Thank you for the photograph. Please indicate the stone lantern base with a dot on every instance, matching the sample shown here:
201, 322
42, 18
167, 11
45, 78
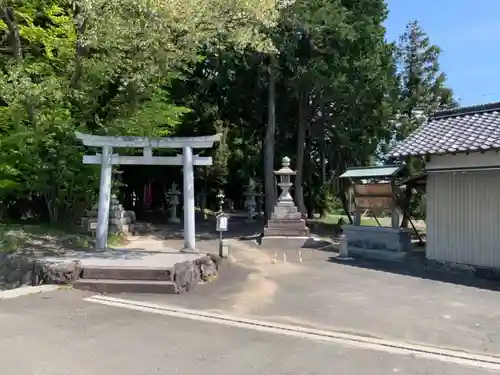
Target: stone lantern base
286, 221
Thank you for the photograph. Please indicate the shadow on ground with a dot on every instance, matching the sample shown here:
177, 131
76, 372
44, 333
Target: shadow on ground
205, 229
417, 266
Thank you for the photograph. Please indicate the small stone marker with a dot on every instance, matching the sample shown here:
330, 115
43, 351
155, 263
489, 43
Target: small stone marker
343, 248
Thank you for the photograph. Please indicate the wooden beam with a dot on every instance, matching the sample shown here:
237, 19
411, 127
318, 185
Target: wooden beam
140, 142
146, 160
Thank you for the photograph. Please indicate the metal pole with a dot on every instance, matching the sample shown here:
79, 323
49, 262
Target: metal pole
189, 209
104, 199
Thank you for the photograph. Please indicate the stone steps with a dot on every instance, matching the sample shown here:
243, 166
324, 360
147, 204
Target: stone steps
180, 277
127, 273
120, 279
126, 286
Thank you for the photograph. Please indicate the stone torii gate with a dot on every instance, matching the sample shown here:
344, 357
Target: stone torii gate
107, 159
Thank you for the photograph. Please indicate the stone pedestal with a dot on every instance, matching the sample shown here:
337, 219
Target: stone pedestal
120, 220
286, 224
286, 221
377, 242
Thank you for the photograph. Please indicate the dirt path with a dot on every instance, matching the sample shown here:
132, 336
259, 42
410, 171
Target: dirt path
261, 285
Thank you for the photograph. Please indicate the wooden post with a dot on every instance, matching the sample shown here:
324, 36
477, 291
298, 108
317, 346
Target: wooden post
104, 199
357, 216
357, 210
394, 208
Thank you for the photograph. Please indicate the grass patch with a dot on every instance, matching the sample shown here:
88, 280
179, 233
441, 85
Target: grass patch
14, 237
117, 240
334, 218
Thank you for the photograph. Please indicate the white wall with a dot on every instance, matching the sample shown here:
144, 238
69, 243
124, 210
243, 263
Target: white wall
463, 217
472, 160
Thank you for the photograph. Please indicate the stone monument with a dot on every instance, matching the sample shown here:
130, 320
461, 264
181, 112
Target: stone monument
286, 228
173, 201
120, 221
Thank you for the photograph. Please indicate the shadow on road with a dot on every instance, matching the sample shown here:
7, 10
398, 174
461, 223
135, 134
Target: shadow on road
417, 266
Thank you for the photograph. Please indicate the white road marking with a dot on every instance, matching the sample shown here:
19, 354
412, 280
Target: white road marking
394, 347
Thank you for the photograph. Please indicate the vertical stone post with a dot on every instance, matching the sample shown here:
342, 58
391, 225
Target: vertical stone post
188, 195
104, 198
343, 248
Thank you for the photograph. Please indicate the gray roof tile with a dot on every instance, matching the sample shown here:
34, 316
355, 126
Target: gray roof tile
464, 129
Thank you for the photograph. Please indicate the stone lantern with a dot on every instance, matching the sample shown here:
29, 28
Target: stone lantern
285, 181
173, 200
250, 201
286, 220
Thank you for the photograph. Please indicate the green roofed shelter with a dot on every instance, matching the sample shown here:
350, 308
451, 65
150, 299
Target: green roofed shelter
383, 171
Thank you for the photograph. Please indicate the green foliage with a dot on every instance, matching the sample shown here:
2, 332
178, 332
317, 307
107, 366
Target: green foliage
161, 68
97, 66
326, 200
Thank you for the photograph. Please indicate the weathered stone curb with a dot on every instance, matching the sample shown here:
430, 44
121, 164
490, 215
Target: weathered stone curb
17, 270
186, 275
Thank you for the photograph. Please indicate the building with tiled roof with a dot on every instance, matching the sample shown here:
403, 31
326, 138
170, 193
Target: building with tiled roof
462, 161
467, 129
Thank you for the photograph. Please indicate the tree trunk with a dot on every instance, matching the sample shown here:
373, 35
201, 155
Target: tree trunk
269, 185
9, 17
80, 47
345, 204
323, 161
301, 141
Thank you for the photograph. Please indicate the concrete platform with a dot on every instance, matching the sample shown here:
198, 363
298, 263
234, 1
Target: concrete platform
126, 258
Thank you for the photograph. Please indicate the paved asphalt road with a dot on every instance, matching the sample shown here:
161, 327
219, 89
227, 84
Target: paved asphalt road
58, 333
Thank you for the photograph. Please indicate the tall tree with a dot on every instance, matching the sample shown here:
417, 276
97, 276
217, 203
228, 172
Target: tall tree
422, 91
422, 83
269, 141
340, 71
